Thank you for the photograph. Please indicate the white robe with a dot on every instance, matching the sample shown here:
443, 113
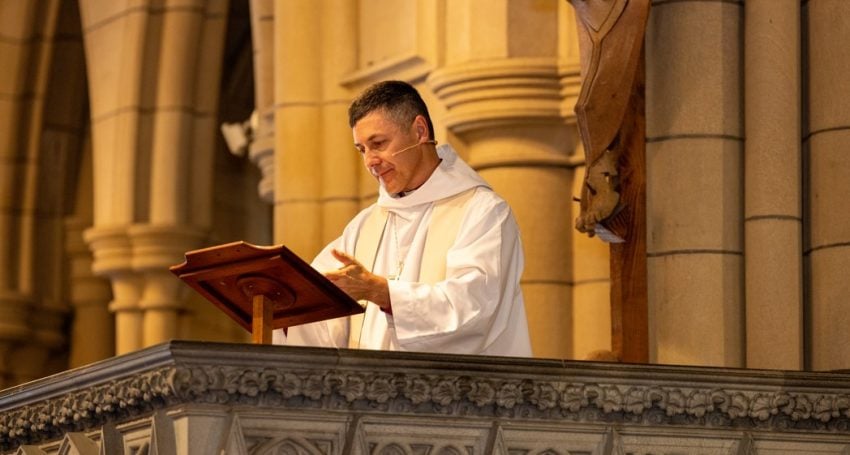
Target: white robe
477, 309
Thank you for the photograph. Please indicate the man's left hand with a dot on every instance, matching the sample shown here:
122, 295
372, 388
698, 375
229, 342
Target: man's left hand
359, 283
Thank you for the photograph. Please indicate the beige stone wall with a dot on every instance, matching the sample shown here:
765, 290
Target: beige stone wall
111, 166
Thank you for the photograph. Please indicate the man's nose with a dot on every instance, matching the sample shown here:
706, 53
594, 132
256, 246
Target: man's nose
371, 158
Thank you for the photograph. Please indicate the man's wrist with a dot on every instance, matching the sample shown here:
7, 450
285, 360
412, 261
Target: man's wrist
383, 297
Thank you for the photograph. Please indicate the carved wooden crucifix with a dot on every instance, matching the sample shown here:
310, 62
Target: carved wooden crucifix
611, 122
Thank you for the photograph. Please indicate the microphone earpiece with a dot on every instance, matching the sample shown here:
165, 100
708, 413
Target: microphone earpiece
430, 141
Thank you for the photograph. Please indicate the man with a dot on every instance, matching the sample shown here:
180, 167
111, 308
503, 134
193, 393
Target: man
438, 257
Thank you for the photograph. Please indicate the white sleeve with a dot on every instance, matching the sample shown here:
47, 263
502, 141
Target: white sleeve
332, 333
468, 310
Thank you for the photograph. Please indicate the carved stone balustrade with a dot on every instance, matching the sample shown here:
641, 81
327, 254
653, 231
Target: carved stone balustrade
208, 398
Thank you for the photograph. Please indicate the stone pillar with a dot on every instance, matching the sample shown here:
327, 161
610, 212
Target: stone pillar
154, 126
508, 116
773, 190
181, 160
31, 358
341, 164
92, 332
115, 43
501, 88
115, 99
62, 146
694, 130
26, 51
826, 136
169, 156
112, 258
13, 305
155, 248
591, 281
174, 114
298, 119
261, 149
14, 312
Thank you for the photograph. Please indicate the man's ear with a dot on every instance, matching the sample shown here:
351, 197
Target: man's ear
421, 127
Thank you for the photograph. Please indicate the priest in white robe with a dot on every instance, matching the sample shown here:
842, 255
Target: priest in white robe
436, 260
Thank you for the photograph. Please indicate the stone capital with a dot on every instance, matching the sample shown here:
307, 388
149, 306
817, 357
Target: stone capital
499, 92
111, 249
157, 247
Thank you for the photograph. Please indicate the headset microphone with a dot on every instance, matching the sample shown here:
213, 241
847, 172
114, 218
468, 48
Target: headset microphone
430, 141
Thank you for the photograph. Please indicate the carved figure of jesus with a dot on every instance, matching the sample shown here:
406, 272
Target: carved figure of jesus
610, 43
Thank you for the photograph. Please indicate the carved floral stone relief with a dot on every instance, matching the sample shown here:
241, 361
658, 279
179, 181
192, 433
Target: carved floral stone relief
369, 393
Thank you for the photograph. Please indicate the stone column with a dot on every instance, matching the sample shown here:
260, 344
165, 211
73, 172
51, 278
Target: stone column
501, 88
591, 282
115, 43
826, 136
62, 145
298, 119
262, 147
154, 79
30, 307
92, 332
773, 190
341, 164
14, 312
30, 359
155, 249
112, 258
14, 304
694, 183
181, 160
174, 114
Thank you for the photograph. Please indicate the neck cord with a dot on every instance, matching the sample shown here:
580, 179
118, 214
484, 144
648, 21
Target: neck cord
400, 264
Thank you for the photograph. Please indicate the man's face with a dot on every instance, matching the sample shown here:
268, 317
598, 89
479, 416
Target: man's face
390, 151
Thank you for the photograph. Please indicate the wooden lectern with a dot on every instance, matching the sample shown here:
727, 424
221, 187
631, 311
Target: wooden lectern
263, 288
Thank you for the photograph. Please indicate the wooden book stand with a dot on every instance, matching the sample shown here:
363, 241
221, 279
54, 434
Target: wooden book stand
263, 288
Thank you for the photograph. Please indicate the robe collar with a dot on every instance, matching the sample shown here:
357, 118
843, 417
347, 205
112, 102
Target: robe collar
452, 176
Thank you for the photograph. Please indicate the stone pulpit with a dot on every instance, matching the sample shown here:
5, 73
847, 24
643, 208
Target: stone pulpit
207, 398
